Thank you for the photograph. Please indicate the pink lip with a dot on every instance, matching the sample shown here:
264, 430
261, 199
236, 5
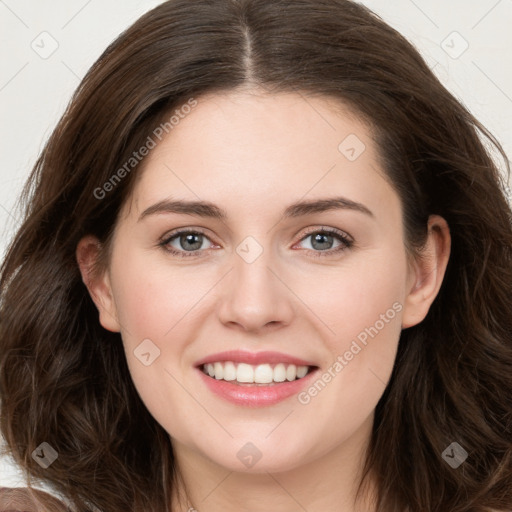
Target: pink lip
256, 395
242, 356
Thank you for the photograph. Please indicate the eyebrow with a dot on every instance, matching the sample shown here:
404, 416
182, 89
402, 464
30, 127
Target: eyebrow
210, 210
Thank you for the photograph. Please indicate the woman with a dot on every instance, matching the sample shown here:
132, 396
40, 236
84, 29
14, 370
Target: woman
265, 265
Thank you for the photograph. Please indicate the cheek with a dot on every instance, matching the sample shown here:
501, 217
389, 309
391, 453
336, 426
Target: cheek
362, 308
152, 298
362, 305
154, 305
353, 296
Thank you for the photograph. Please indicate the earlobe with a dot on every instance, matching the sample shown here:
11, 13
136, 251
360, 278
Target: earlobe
98, 284
427, 272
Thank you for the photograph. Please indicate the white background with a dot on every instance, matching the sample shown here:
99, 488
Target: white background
34, 91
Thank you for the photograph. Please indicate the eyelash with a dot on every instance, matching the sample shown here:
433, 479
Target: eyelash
346, 241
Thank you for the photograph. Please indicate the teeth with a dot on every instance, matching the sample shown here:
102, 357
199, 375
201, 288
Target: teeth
263, 374
219, 371
301, 371
244, 373
229, 371
291, 372
258, 374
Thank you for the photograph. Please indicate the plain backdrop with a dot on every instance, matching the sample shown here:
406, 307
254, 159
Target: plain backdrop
47, 46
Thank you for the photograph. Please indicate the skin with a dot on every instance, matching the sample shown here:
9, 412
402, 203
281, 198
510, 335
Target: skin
253, 154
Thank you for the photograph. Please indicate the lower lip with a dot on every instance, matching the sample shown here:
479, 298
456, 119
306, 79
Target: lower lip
257, 395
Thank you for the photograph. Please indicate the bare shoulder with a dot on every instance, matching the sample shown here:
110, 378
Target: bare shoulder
23, 499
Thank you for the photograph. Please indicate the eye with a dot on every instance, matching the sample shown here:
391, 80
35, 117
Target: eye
323, 241
185, 243
189, 243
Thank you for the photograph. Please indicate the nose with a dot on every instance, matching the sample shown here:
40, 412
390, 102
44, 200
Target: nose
255, 297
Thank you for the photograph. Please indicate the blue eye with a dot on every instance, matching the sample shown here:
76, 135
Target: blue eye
322, 241
191, 243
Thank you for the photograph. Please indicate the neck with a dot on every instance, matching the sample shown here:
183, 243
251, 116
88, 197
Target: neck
329, 482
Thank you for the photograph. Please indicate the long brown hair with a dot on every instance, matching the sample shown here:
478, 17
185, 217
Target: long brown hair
28, 500
64, 379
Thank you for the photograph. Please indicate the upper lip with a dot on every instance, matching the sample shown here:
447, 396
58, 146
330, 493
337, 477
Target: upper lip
254, 358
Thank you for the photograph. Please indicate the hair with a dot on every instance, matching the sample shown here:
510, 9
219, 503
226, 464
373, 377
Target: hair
64, 379
28, 500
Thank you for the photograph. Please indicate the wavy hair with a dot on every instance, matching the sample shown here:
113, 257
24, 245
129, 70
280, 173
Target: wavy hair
64, 379
29, 500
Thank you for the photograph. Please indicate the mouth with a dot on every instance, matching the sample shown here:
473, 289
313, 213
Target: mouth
266, 374
254, 380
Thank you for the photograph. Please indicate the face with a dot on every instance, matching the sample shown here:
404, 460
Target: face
282, 276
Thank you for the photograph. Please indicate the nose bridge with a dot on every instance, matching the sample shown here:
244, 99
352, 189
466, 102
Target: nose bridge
253, 296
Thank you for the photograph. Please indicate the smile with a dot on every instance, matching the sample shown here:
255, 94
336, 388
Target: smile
243, 373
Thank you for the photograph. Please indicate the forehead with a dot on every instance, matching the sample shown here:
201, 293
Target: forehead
263, 146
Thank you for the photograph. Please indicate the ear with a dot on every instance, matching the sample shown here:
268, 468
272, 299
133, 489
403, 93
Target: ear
427, 272
98, 284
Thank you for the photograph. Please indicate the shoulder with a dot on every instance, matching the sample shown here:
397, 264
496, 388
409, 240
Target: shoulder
23, 499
